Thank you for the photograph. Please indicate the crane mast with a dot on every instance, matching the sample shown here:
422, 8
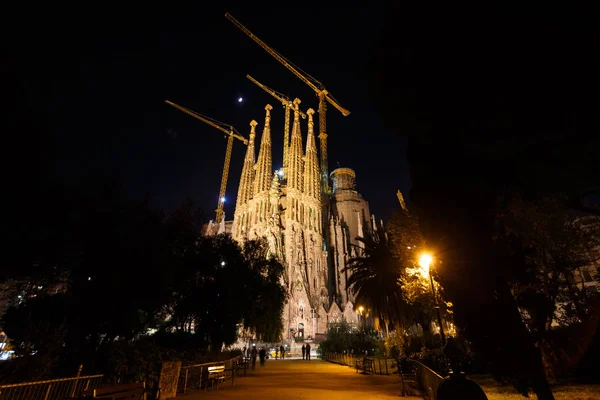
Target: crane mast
287, 104
231, 134
322, 93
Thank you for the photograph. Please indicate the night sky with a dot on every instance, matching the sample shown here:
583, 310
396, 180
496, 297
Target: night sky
92, 99
88, 92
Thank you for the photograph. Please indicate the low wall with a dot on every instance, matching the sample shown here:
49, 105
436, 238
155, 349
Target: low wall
428, 379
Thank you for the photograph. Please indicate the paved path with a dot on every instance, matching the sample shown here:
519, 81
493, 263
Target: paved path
299, 379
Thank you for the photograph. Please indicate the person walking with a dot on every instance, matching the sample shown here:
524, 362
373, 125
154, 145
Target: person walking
262, 354
303, 351
276, 352
282, 350
253, 355
308, 352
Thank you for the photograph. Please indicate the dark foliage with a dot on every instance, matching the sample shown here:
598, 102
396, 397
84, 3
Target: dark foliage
483, 122
123, 269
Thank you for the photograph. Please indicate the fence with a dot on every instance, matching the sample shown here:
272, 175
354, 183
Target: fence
381, 366
53, 389
428, 379
191, 376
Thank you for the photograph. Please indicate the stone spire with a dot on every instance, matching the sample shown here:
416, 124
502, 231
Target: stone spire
262, 182
247, 178
312, 184
295, 153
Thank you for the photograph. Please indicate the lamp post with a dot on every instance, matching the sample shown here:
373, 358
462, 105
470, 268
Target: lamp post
425, 262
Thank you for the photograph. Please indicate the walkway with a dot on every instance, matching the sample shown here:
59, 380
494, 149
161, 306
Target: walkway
299, 379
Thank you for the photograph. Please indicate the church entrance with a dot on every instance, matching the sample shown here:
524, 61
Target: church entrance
301, 330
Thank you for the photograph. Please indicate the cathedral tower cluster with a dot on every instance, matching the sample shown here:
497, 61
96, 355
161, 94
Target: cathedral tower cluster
314, 238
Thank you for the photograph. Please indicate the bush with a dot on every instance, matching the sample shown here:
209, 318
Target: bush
342, 338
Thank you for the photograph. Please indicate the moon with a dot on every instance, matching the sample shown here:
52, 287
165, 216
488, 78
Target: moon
240, 100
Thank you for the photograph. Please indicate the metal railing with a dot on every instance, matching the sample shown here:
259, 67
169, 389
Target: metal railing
428, 379
53, 389
191, 377
381, 365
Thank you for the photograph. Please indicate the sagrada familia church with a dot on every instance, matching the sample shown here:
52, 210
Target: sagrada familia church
309, 227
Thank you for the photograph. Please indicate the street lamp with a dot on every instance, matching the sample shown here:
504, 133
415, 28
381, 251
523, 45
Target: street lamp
425, 263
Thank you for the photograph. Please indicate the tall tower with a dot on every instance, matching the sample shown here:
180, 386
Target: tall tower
350, 219
241, 217
262, 182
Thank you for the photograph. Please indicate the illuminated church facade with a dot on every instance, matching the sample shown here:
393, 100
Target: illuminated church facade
313, 233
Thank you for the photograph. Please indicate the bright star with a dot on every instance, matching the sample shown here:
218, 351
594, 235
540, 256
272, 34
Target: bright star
240, 100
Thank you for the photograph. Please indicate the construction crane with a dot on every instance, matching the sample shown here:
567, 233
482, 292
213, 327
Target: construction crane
287, 104
322, 93
231, 133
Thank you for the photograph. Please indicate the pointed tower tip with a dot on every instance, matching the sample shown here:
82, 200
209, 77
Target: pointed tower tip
253, 123
297, 101
268, 107
310, 111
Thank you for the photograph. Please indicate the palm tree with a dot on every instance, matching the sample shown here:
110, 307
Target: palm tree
374, 281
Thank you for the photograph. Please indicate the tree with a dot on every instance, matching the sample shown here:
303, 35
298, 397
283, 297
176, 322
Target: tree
556, 245
374, 278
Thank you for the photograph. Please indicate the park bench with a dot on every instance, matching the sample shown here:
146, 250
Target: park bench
132, 391
366, 365
218, 374
242, 363
408, 376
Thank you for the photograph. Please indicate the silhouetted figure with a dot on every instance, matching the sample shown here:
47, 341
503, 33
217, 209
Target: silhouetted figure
308, 352
262, 354
253, 355
276, 353
282, 350
303, 351
458, 386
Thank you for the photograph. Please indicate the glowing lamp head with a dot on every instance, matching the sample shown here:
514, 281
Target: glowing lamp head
361, 309
425, 262
222, 263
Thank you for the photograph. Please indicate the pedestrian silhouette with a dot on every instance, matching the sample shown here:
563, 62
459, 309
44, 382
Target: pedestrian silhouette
262, 354
308, 352
303, 351
253, 355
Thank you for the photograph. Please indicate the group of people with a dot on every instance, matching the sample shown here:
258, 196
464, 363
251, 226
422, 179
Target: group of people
252, 353
306, 352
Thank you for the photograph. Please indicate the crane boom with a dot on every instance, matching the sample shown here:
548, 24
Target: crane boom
279, 96
322, 93
231, 134
309, 80
225, 128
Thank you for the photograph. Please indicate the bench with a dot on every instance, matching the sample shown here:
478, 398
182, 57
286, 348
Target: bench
218, 374
123, 391
366, 365
408, 376
242, 363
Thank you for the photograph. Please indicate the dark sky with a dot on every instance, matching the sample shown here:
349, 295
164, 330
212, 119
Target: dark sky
85, 91
91, 98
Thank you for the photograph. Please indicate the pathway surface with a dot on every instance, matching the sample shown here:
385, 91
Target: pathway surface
300, 379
